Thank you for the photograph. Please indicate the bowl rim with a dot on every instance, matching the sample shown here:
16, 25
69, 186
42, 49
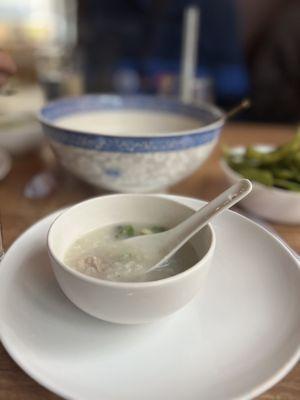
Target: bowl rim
221, 119
235, 175
128, 285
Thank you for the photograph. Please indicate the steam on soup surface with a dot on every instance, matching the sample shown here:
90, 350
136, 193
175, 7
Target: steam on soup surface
104, 254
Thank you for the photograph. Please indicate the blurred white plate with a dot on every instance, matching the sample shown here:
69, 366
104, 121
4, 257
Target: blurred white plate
19, 129
21, 135
5, 163
239, 337
27, 99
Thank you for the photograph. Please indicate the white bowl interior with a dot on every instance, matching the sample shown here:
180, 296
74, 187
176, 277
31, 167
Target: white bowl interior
128, 122
103, 211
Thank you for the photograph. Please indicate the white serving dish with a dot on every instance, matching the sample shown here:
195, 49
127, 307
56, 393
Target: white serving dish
236, 339
136, 143
127, 302
273, 204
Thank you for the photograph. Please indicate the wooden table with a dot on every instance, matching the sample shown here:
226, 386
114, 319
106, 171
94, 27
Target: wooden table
18, 213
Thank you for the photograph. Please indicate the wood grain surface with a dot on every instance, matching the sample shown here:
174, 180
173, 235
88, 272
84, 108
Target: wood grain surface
18, 213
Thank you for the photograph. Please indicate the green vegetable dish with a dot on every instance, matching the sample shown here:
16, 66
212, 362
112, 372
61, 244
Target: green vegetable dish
278, 168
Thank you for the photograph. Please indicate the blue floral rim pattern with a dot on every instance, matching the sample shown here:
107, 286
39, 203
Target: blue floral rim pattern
130, 144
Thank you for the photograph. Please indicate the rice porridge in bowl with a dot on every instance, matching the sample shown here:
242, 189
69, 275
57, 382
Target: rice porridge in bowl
131, 143
130, 122
105, 277
105, 254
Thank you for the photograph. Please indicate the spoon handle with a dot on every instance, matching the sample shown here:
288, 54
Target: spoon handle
186, 229
225, 200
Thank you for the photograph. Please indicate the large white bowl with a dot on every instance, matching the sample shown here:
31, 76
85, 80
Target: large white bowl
273, 204
136, 143
125, 302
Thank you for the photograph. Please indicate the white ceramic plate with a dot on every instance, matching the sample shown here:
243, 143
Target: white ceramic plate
239, 337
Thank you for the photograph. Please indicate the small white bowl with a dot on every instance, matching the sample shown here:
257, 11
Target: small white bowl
20, 132
126, 302
273, 204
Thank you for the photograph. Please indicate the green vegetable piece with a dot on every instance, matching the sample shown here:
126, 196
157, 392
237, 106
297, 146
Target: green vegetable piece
237, 166
259, 175
297, 177
264, 158
276, 155
282, 173
285, 184
296, 160
124, 231
157, 229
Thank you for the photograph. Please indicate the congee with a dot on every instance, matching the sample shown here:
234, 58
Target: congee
105, 254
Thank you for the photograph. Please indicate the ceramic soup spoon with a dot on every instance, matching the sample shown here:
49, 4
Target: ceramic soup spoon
163, 245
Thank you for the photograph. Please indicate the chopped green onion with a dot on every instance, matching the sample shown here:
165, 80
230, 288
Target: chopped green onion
125, 232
